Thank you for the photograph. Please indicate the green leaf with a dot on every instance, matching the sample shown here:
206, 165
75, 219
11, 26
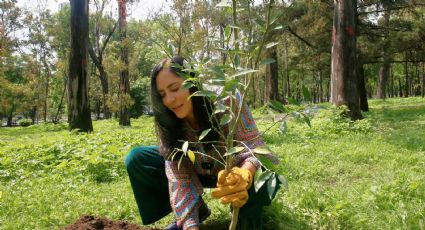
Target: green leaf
278, 106
225, 119
283, 181
204, 134
267, 61
227, 31
259, 22
234, 150
306, 119
185, 146
187, 85
263, 150
244, 72
262, 179
266, 162
204, 93
218, 72
237, 60
271, 185
306, 94
231, 85
279, 27
271, 44
293, 101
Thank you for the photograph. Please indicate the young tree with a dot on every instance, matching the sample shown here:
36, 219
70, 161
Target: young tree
79, 116
344, 72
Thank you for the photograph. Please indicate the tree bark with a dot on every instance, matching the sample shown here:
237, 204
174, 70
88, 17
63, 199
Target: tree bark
344, 72
79, 116
124, 78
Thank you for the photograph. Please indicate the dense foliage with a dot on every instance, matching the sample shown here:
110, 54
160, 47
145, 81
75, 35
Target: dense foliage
342, 174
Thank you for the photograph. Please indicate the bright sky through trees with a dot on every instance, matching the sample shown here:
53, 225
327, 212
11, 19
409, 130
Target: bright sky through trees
138, 10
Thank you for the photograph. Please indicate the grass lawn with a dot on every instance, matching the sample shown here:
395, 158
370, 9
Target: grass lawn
368, 174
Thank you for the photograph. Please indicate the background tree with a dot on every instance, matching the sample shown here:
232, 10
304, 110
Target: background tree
103, 27
124, 95
79, 116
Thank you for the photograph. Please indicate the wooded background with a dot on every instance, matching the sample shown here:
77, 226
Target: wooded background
342, 51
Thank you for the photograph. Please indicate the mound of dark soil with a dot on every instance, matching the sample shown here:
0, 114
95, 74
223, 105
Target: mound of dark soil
99, 223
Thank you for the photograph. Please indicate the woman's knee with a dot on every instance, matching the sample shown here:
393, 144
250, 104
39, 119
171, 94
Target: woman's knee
137, 156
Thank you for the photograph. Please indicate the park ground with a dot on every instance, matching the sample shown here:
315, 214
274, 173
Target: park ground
367, 174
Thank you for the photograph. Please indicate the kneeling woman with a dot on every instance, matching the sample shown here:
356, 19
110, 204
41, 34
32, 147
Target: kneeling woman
161, 185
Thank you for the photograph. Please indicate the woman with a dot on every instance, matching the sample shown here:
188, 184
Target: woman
161, 185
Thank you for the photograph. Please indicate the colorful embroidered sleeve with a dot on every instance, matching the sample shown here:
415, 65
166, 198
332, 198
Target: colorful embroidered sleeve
247, 132
185, 192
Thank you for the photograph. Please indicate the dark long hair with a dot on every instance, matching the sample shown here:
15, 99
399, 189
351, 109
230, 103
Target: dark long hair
168, 125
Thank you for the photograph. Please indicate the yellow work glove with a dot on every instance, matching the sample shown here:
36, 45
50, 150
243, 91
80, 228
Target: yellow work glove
232, 187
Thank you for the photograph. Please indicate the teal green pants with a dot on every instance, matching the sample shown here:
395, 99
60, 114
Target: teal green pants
146, 170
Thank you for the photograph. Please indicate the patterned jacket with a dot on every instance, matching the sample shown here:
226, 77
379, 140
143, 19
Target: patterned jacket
185, 187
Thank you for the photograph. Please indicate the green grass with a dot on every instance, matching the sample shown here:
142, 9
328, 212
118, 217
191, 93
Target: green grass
368, 174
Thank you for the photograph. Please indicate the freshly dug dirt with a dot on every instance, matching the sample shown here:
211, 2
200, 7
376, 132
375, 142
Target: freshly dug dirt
99, 223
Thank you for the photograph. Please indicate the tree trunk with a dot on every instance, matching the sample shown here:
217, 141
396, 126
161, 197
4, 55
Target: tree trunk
47, 86
274, 75
33, 114
385, 68
343, 76
124, 78
364, 106
321, 96
78, 99
103, 77
391, 93
423, 79
56, 118
288, 84
271, 81
406, 72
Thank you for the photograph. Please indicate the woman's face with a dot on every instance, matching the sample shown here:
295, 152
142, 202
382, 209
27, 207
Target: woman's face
169, 87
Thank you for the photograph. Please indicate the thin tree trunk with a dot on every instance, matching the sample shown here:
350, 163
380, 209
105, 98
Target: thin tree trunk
79, 117
364, 106
124, 78
47, 86
385, 68
423, 79
344, 77
406, 72
288, 83
56, 119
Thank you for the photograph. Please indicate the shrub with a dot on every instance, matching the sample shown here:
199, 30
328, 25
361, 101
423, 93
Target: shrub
25, 122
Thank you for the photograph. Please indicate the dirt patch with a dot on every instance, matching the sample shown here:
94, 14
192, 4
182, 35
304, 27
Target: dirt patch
99, 223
